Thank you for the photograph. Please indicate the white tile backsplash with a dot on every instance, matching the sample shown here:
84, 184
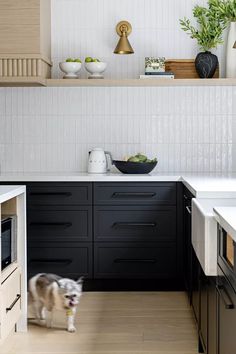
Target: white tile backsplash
187, 128
52, 129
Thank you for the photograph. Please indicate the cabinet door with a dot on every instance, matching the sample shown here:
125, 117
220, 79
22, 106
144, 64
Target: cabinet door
196, 287
134, 261
135, 193
136, 223
60, 224
10, 300
65, 259
226, 316
212, 317
52, 193
203, 325
188, 245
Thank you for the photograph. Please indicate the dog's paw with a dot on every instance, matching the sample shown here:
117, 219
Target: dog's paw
71, 329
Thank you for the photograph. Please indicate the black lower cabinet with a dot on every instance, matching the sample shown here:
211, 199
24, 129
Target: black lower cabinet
204, 307
226, 300
212, 317
70, 260
195, 287
187, 243
134, 261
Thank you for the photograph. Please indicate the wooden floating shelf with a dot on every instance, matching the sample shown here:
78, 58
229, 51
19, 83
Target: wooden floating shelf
22, 81
138, 82
38, 81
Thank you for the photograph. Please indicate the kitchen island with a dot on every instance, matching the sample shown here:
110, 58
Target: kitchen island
13, 278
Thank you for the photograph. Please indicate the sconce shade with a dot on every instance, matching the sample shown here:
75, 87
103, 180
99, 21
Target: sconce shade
123, 29
234, 45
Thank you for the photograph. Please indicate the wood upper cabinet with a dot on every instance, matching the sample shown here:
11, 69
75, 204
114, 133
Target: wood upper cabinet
25, 37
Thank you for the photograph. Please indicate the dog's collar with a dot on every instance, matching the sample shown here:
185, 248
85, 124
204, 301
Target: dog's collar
69, 312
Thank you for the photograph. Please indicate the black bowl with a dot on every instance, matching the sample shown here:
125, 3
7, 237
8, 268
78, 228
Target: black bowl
134, 167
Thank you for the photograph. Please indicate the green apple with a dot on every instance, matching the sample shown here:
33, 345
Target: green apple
69, 60
88, 60
77, 61
96, 60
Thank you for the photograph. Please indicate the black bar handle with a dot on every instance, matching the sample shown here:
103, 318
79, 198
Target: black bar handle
18, 296
127, 260
51, 261
51, 224
134, 224
55, 194
224, 296
133, 194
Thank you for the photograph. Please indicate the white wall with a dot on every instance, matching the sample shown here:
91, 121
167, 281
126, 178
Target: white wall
52, 129
83, 28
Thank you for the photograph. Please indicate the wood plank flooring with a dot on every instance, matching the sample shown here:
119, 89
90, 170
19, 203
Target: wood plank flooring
116, 323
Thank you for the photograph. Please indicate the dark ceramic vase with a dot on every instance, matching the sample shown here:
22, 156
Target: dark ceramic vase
206, 64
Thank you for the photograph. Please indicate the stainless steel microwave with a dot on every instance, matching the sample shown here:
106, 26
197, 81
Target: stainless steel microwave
8, 240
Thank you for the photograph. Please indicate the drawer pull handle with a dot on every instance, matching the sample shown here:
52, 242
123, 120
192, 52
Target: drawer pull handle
134, 224
50, 261
123, 260
188, 208
224, 296
134, 194
51, 224
18, 296
53, 194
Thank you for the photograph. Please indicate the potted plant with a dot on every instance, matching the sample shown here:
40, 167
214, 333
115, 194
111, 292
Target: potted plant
227, 11
208, 34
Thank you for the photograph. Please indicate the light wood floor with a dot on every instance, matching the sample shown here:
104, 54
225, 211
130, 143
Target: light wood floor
117, 323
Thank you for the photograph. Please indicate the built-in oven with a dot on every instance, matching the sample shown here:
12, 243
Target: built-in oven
8, 240
226, 289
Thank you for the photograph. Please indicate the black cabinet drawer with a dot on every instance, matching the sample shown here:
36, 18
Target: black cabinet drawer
60, 225
146, 223
59, 193
135, 193
134, 261
65, 260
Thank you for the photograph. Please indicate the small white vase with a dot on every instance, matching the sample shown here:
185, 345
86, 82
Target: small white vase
231, 52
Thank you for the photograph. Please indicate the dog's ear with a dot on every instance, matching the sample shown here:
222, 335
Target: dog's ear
80, 280
59, 285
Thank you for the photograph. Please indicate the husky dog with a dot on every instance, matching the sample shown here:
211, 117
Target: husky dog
49, 292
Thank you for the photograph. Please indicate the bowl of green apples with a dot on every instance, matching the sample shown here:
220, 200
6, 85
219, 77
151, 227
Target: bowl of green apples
95, 68
70, 67
138, 164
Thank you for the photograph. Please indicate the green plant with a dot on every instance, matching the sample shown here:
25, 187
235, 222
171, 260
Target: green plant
210, 27
226, 9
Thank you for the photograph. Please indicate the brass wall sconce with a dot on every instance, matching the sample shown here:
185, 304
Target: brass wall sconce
123, 29
234, 45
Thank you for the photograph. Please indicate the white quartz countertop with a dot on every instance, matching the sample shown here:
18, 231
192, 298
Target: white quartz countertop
201, 185
9, 192
226, 217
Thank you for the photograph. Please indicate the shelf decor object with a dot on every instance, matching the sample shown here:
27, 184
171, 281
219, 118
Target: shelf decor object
226, 11
123, 29
96, 69
231, 52
208, 34
25, 42
154, 65
70, 69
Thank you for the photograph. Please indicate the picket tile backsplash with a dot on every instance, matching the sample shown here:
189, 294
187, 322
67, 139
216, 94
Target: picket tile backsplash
52, 129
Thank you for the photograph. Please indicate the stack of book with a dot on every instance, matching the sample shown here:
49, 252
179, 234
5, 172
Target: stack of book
158, 75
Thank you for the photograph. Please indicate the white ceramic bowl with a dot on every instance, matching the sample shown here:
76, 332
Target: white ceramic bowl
96, 69
70, 69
